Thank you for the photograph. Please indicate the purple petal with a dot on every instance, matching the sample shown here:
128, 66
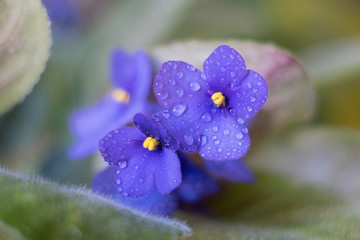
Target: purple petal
180, 88
121, 144
247, 98
185, 130
132, 73
168, 171
233, 170
224, 66
146, 126
196, 184
135, 177
224, 139
153, 203
90, 124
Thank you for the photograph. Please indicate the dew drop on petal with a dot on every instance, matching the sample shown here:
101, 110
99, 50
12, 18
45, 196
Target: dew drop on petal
178, 109
232, 74
117, 171
191, 68
239, 136
123, 164
216, 142
203, 140
179, 92
240, 143
136, 167
245, 130
252, 99
249, 109
172, 82
206, 117
226, 132
219, 150
194, 86
141, 180
166, 114
188, 139
179, 75
240, 121
125, 194
118, 181
215, 128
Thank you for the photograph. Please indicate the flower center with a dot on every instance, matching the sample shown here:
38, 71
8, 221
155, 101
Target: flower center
150, 143
120, 95
218, 99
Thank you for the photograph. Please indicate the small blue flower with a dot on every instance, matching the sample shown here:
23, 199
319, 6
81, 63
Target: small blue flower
153, 202
131, 77
206, 111
196, 184
144, 157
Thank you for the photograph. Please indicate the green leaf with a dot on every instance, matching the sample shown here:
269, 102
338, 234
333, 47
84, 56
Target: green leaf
24, 48
277, 208
290, 96
40, 209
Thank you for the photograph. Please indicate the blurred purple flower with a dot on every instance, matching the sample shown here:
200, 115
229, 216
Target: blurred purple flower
131, 77
143, 158
232, 170
206, 111
153, 202
196, 184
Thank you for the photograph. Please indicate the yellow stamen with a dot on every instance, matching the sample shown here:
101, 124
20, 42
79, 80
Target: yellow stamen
218, 99
150, 143
120, 95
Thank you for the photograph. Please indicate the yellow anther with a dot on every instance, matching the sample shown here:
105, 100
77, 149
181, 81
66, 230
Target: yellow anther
120, 95
150, 143
218, 99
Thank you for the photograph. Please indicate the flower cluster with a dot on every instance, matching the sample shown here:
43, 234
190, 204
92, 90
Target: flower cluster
203, 112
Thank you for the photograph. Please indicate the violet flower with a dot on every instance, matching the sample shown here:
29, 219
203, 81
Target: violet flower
196, 184
232, 170
144, 157
206, 111
153, 202
131, 77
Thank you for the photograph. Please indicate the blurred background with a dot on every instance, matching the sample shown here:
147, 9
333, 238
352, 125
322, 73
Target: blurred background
324, 35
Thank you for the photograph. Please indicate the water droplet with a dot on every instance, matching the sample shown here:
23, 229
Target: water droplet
123, 164
252, 99
178, 109
222, 69
163, 95
118, 181
141, 180
136, 167
213, 110
174, 66
117, 171
254, 90
232, 74
219, 150
203, 140
226, 132
179, 74
239, 136
206, 117
166, 114
240, 121
174, 180
259, 83
159, 84
179, 92
188, 139
194, 86
240, 143
216, 142
125, 194
249, 85
191, 68
172, 82
215, 128
203, 76
245, 130
249, 109
214, 137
